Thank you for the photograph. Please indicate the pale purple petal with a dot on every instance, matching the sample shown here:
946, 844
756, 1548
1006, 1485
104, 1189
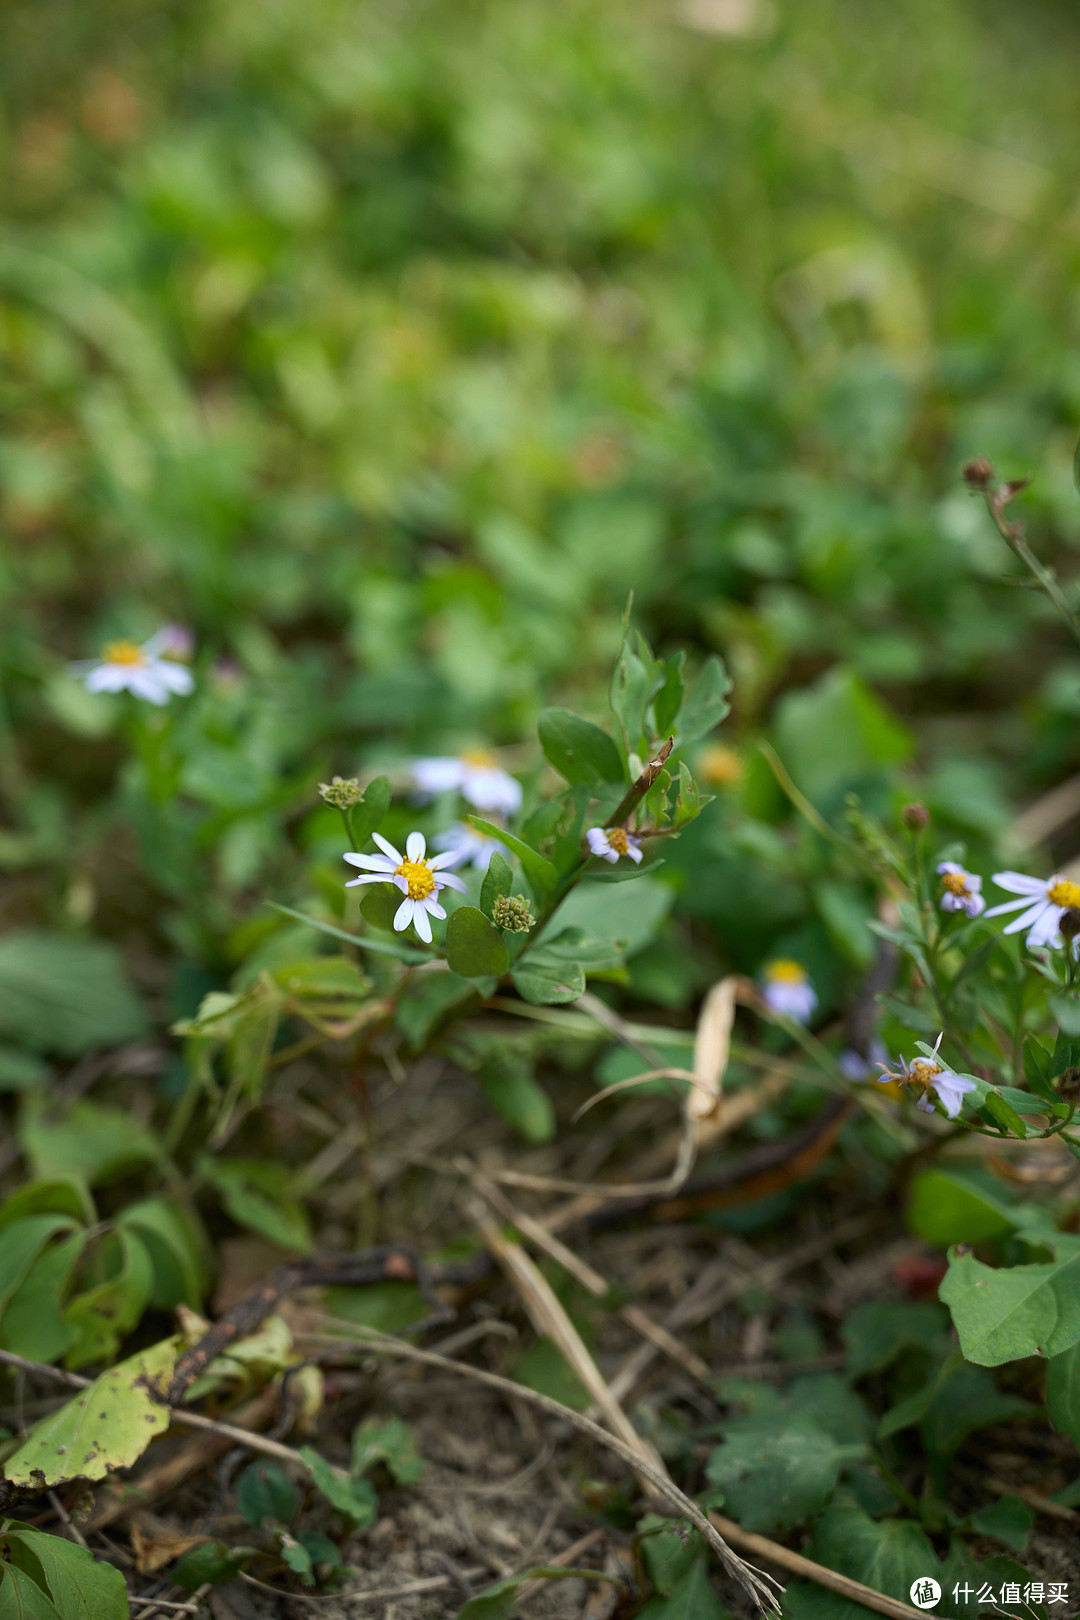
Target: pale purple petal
1028, 918
634, 852
437, 775
449, 880
1019, 883
597, 840
388, 848
369, 877
451, 856
370, 863
436, 910
415, 845
1045, 927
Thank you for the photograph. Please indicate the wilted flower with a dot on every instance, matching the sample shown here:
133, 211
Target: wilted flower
960, 889
418, 878
143, 671
469, 845
1043, 904
786, 988
511, 911
612, 842
476, 775
342, 792
924, 1074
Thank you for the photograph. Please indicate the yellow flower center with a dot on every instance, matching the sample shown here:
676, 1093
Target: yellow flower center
616, 837
954, 882
922, 1072
1064, 893
480, 758
784, 971
419, 876
126, 652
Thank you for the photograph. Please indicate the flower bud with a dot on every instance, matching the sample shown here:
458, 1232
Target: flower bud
511, 911
343, 792
979, 472
915, 816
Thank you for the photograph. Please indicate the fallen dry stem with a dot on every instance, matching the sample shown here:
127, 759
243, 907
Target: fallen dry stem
754, 1582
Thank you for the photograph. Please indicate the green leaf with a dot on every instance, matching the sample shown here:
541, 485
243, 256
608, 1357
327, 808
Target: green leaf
107, 1426
256, 1193
355, 1498
23, 1241
887, 1554
668, 1548
547, 981
579, 750
388, 1306
1008, 1519
707, 703
23, 1598
21, 1071
499, 1602
668, 700
102, 1315
520, 1099
878, 1332
1063, 1392
175, 1246
538, 869
34, 1323
55, 1195
1004, 1115
66, 995
367, 816
210, 1564
265, 1491
296, 1557
379, 903
381, 947
777, 1468
390, 1442
691, 1598
835, 734
498, 880
1014, 1311
946, 1207
88, 1140
79, 1587
1065, 1010
474, 946
627, 915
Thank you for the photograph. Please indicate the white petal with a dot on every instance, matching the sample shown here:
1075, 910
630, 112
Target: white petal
634, 852
403, 916
415, 845
437, 775
596, 838
948, 866
107, 678
1020, 883
449, 880
611, 855
421, 921
973, 881
145, 683
369, 877
1045, 927
370, 863
974, 904
438, 862
402, 882
387, 848
1028, 918
1009, 905
434, 907
175, 676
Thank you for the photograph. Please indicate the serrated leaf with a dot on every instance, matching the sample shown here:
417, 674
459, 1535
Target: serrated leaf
107, 1426
1001, 1315
579, 751
474, 946
79, 1586
707, 703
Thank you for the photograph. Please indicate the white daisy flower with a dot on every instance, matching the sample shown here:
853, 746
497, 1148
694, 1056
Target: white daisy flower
925, 1074
788, 991
469, 845
476, 775
124, 666
418, 878
960, 889
611, 842
1043, 903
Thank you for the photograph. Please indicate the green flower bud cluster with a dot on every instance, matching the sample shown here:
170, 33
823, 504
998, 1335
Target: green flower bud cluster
511, 911
343, 792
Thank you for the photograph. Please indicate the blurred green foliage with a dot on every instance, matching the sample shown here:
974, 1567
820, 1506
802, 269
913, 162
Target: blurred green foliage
389, 347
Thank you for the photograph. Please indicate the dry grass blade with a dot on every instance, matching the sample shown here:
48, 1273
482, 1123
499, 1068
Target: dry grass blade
759, 1587
549, 1318
712, 1044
